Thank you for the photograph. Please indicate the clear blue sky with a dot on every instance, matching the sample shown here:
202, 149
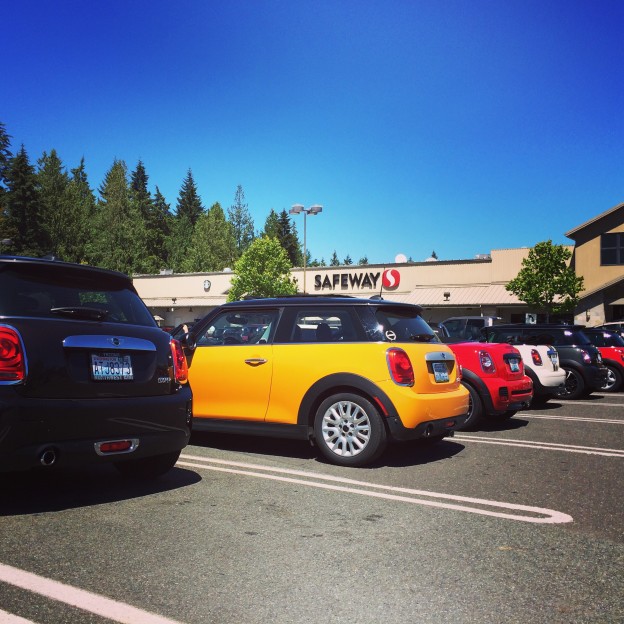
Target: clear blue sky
458, 126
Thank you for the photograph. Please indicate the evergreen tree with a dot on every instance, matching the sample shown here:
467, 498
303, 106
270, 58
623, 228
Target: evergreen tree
262, 271
287, 236
242, 223
189, 203
334, 259
82, 202
23, 209
347, 261
57, 215
271, 225
5, 157
118, 223
213, 246
153, 225
363, 260
165, 227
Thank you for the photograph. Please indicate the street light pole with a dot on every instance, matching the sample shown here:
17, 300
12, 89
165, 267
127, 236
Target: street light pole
312, 210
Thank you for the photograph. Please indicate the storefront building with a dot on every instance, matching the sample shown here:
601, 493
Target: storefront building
443, 288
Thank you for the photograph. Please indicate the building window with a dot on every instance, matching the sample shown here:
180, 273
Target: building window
612, 249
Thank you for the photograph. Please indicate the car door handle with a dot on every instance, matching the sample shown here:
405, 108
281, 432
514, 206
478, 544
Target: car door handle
256, 361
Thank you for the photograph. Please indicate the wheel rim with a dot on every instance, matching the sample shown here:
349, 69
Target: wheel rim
571, 383
611, 380
346, 429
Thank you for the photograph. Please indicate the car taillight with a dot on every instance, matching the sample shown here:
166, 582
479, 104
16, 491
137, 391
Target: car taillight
12, 358
487, 363
180, 367
400, 367
536, 357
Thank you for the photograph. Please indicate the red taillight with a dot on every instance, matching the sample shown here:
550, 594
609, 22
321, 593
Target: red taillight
400, 367
537, 358
180, 367
12, 360
487, 363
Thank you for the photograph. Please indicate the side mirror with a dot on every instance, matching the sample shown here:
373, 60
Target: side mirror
189, 341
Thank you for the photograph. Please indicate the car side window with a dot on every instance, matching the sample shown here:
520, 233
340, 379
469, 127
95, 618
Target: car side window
322, 325
239, 328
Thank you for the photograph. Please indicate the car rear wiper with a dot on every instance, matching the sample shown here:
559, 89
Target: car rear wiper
83, 312
422, 337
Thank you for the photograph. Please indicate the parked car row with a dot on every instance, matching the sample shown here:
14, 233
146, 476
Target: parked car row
87, 377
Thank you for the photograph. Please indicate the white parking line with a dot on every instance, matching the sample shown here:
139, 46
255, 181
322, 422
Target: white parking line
85, 600
589, 403
9, 618
605, 421
549, 446
532, 514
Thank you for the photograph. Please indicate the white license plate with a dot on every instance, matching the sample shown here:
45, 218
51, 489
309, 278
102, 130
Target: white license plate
440, 372
111, 367
514, 365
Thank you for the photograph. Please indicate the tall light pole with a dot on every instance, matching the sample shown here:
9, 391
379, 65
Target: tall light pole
312, 210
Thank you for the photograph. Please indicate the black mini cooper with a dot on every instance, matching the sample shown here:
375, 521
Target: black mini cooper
86, 375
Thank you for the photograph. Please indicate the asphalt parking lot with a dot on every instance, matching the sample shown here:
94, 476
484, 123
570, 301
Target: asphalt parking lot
520, 522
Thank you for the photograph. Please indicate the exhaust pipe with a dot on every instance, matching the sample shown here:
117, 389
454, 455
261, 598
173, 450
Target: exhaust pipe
48, 457
428, 431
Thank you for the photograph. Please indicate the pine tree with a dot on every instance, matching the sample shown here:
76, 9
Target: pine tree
213, 246
118, 223
165, 227
287, 236
23, 209
189, 203
57, 216
241, 221
271, 225
347, 261
5, 157
334, 259
82, 201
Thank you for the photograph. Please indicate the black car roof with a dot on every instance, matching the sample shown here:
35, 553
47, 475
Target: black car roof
533, 326
319, 300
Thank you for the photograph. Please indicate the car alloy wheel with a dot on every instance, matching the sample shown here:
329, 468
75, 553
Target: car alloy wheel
475, 408
349, 430
574, 385
614, 380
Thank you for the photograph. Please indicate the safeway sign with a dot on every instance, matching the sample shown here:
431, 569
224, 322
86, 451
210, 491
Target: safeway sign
362, 280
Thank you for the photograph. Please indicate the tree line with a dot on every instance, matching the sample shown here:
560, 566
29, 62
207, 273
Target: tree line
46, 210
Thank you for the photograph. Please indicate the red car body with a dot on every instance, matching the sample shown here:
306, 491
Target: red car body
494, 375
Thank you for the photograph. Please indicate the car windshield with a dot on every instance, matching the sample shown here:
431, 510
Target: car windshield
398, 324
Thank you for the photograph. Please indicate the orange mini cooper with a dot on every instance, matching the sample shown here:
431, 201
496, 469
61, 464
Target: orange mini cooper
347, 374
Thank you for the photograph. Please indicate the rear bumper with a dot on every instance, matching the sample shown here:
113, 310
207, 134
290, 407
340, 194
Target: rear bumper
509, 395
430, 429
71, 429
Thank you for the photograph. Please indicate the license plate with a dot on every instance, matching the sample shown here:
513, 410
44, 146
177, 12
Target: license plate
111, 367
514, 365
440, 372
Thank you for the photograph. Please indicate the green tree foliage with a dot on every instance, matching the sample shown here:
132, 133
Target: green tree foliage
165, 227
287, 236
334, 259
347, 261
271, 225
242, 223
118, 224
546, 282
5, 157
213, 246
82, 202
363, 260
22, 223
188, 211
57, 216
262, 271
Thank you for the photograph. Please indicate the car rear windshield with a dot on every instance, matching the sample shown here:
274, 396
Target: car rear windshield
57, 291
397, 324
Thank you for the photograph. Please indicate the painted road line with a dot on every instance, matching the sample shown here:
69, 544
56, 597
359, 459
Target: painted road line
587, 403
85, 600
329, 482
604, 421
9, 618
549, 446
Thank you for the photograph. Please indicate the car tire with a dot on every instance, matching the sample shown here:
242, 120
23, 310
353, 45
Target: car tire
475, 409
614, 380
349, 430
574, 387
148, 467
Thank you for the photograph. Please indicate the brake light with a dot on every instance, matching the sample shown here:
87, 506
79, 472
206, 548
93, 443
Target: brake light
487, 363
180, 367
400, 367
536, 357
12, 357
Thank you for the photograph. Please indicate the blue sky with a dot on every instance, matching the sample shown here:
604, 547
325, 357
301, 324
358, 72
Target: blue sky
458, 126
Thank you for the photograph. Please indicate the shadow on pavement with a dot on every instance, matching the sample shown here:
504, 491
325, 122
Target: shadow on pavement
46, 490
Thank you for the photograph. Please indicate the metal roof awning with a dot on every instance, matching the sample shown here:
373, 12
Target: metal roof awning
458, 296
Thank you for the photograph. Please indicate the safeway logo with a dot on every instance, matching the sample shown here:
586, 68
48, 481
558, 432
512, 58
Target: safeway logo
391, 279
